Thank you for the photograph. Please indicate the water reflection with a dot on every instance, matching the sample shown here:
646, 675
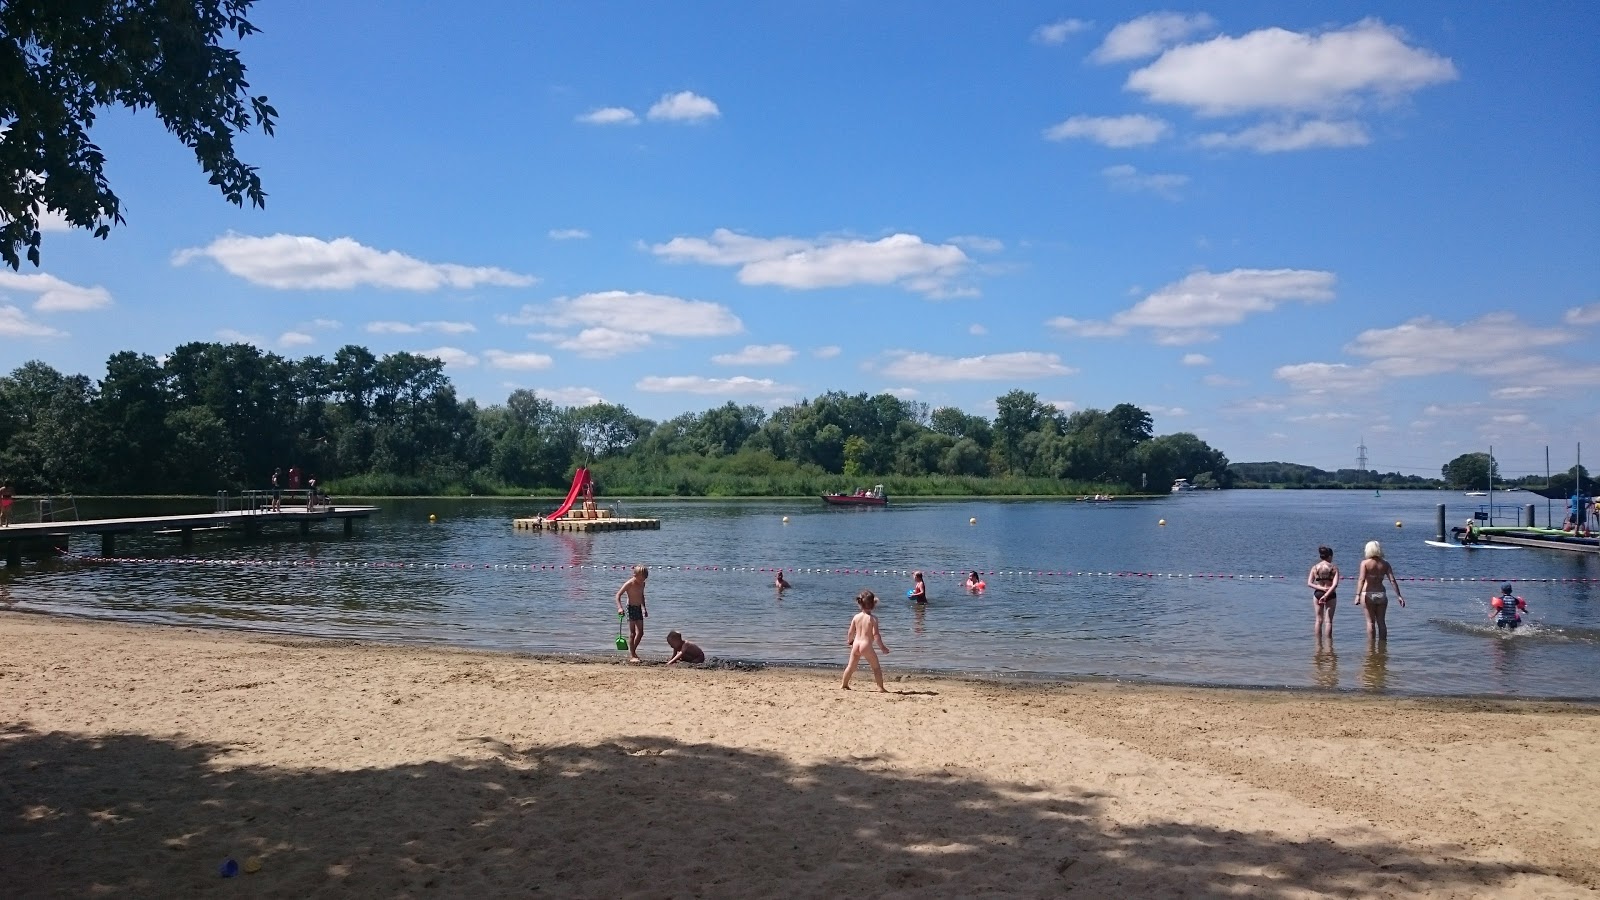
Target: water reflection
1325, 666
1375, 668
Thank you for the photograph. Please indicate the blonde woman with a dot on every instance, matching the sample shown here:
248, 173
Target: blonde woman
1370, 594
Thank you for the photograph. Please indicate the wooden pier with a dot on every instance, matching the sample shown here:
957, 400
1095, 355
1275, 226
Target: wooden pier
1543, 538
598, 520
56, 534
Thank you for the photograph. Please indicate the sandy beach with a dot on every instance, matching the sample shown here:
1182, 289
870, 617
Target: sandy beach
134, 759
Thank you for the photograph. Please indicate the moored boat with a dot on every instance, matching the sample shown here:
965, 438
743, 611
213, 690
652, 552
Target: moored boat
862, 497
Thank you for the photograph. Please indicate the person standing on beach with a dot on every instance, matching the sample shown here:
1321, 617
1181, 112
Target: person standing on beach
1323, 579
863, 632
633, 588
1370, 594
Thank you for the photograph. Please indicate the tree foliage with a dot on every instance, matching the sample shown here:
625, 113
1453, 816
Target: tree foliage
1470, 470
213, 416
62, 61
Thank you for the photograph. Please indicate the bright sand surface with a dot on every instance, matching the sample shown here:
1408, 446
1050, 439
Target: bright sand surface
134, 759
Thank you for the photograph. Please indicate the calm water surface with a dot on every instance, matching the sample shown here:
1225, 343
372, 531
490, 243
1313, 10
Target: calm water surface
466, 583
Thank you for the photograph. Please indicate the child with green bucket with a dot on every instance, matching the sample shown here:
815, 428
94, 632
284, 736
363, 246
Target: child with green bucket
633, 588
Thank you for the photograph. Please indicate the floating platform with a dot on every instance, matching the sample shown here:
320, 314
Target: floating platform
1544, 538
55, 534
597, 523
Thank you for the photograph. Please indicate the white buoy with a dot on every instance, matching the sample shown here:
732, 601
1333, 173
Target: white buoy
1162, 522
973, 520
785, 520
1397, 525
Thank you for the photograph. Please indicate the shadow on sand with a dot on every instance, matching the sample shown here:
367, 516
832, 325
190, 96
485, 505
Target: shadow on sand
640, 817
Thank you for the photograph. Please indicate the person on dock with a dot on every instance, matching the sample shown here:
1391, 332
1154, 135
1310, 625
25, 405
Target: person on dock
1323, 579
6, 499
684, 651
633, 588
860, 638
781, 583
919, 588
277, 493
1506, 610
1370, 593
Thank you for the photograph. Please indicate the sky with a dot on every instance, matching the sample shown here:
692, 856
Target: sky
1291, 229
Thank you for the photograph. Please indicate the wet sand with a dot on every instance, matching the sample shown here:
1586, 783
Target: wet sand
134, 759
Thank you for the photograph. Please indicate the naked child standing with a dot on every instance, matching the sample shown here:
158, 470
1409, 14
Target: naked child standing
633, 589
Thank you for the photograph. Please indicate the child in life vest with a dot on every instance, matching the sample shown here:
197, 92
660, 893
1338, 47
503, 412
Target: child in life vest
1507, 610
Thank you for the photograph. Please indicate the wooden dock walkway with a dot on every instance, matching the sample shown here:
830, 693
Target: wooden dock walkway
251, 521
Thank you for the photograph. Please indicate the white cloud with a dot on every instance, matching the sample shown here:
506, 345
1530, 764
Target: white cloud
297, 262
568, 234
1020, 366
737, 386
1275, 69
55, 295
1185, 311
904, 393
1583, 315
1519, 393
684, 106
638, 313
571, 396
902, 259
1127, 178
1426, 346
1058, 31
1321, 378
501, 359
1222, 381
235, 336
978, 243
450, 356
1257, 405
420, 327
600, 343
828, 352
1511, 419
1065, 406
977, 330
15, 323
1086, 328
1324, 417
1174, 412
1196, 359
325, 324
295, 339
609, 115
1111, 131
1148, 35
757, 355
1281, 137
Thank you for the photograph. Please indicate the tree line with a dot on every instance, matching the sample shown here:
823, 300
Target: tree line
214, 416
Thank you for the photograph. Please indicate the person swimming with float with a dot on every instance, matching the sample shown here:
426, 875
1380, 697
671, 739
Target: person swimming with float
1506, 610
975, 584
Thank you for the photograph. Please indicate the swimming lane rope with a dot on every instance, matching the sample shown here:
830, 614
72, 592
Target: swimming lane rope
802, 570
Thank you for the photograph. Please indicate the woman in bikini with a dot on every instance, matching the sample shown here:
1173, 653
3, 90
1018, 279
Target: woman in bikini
1323, 579
1370, 594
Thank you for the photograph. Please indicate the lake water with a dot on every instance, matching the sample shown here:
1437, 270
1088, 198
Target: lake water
470, 580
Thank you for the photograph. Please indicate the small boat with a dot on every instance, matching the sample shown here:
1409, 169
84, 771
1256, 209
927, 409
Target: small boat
1476, 494
1098, 498
1182, 486
862, 497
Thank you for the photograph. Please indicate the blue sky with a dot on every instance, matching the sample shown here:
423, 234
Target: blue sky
1283, 228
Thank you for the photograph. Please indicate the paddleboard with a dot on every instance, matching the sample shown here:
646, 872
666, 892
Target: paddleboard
1471, 546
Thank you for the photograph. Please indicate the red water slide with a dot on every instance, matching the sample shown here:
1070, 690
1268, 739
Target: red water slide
580, 479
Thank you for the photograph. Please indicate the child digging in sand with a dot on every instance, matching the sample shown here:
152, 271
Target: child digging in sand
684, 651
634, 589
863, 631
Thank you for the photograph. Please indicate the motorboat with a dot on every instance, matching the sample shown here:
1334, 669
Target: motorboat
1182, 486
861, 497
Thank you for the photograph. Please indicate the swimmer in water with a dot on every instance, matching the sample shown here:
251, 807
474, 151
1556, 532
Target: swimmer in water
780, 582
861, 636
974, 583
919, 588
1370, 595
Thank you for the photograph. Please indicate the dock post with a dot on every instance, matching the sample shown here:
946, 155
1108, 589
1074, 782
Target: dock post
1438, 523
349, 525
13, 555
186, 538
108, 543
1527, 515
